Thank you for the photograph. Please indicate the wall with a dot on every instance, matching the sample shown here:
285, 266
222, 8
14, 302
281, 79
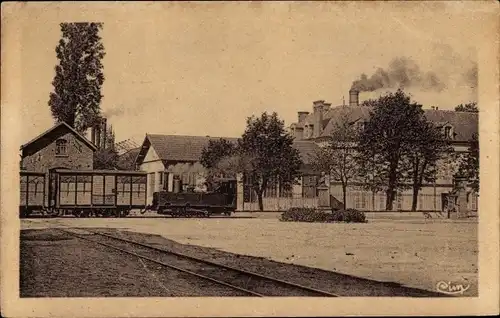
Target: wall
430, 199
46, 158
153, 165
274, 203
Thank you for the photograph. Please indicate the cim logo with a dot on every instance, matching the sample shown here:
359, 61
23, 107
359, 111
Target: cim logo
452, 288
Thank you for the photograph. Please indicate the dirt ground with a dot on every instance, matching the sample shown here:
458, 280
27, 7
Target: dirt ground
409, 250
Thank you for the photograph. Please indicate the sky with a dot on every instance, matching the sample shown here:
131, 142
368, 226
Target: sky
203, 68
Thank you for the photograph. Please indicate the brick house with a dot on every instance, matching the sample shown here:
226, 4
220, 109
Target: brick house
166, 157
457, 127
59, 147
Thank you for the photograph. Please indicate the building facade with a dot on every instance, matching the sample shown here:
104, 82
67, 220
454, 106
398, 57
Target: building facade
59, 147
457, 127
165, 157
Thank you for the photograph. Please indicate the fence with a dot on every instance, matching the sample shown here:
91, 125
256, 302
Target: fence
360, 200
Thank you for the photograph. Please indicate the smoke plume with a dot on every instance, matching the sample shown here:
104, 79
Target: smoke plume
113, 112
402, 72
470, 77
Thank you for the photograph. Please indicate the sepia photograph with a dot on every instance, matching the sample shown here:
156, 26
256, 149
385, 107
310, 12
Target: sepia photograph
197, 158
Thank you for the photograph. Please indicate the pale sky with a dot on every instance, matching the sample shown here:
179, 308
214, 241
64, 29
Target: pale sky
201, 69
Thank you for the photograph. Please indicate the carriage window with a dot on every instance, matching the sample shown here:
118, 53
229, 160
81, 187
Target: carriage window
61, 147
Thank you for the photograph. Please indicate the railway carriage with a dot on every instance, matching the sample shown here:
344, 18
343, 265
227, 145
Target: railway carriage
32, 190
96, 192
114, 193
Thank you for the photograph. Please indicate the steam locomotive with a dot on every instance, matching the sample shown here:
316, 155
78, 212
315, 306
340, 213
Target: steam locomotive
114, 193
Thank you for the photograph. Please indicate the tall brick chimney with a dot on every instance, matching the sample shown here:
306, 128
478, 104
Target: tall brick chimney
353, 97
302, 116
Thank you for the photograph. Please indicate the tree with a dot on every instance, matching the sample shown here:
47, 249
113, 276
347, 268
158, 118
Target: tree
386, 142
212, 155
107, 157
469, 167
266, 153
215, 151
79, 75
469, 107
338, 157
429, 146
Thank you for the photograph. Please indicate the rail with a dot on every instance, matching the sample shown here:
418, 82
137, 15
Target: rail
289, 286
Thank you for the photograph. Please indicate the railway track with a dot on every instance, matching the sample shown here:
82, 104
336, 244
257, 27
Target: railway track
241, 281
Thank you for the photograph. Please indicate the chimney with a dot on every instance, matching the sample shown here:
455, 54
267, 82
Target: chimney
92, 134
302, 116
326, 107
353, 97
318, 106
104, 135
98, 136
318, 109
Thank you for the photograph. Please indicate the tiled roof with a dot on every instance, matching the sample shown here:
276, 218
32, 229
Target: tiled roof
189, 148
180, 148
126, 160
353, 112
49, 135
465, 124
306, 149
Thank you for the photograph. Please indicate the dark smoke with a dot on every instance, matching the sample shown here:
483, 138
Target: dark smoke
402, 72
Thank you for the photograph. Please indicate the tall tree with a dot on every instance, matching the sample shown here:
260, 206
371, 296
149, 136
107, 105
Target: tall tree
267, 153
386, 142
429, 146
469, 107
469, 167
338, 157
79, 75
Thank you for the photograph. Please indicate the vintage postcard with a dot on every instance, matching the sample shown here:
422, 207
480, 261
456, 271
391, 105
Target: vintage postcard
229, 159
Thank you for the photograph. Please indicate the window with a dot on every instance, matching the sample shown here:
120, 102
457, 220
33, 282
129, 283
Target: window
360, 200
271, 190
285, 193
448, 132
61, 147
165, 181
309, 186
361, 125
248, 192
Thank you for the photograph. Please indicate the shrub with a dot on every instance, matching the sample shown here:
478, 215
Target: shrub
314, 215
305, 215
348, 216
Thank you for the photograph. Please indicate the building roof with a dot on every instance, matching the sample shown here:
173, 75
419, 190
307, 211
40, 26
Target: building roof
126, 161
48, 137
177, 147
189, 148
465, 124
306, 148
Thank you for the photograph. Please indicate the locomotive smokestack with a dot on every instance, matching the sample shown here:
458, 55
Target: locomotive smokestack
353, 97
